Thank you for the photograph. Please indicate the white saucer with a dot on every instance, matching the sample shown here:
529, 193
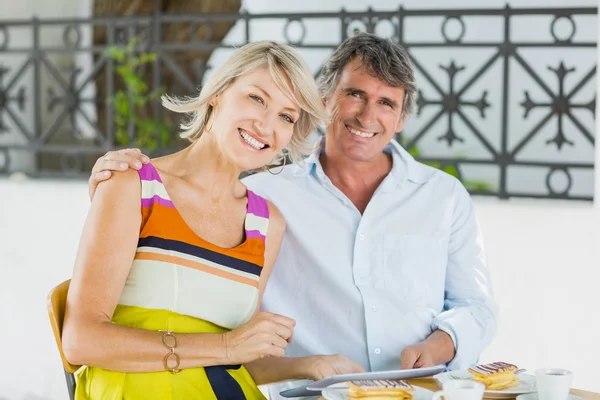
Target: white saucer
527, 384
534, 396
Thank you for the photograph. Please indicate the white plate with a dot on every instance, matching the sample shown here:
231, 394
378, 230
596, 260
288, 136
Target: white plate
526, 384
534, 396
339, 390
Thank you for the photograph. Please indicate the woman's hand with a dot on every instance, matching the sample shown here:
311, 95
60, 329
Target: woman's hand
265, 335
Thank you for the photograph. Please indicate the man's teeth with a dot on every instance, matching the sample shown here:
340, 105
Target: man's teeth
251, 141
360, 133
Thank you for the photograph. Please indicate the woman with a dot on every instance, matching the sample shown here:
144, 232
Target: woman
164, 298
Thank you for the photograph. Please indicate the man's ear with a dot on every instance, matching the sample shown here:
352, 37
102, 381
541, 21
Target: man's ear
400, 123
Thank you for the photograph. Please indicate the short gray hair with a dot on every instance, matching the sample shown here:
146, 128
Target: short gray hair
384, 59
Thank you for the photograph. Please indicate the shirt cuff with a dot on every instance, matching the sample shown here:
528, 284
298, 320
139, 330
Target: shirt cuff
466, 335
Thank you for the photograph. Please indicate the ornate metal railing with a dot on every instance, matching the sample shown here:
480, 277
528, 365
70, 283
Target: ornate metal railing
506, 99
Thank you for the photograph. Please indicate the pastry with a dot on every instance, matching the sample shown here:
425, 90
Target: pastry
495, 376
380, 389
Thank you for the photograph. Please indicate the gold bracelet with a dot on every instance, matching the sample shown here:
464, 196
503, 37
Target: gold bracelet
171, 353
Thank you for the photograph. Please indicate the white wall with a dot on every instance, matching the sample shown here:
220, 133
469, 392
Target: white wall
544, 257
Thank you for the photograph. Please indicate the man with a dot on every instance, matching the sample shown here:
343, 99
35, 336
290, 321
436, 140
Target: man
383, 260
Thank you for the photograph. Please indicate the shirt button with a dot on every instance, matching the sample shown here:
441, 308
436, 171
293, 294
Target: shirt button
362, 237
377, 350
374, 308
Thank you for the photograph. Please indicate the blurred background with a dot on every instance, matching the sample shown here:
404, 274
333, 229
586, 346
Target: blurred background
507, 103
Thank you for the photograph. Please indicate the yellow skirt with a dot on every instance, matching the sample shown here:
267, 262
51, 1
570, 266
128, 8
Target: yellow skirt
193, 383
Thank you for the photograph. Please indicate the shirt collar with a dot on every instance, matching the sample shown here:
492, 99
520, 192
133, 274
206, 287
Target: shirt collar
404, 167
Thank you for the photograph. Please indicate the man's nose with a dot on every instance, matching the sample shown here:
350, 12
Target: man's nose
367, 116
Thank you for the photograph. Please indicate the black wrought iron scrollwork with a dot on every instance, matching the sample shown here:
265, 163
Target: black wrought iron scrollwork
71, 162
445, 33
561, 106
72, 36
6, 99
569, 182
4, 38
4, 161
462, 97
569, 37
290, 24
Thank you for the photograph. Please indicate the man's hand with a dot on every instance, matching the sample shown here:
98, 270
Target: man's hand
115, 161
437, 349
322, 366
416, 356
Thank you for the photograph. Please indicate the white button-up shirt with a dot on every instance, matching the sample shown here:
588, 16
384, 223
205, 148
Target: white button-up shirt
366, 286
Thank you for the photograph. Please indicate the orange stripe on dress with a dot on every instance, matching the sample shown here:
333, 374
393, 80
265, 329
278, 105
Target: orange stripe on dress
167, 223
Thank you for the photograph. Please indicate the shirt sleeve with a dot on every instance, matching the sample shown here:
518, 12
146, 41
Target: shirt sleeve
469, 315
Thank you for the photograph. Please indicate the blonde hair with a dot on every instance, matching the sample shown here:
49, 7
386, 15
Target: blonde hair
287, 69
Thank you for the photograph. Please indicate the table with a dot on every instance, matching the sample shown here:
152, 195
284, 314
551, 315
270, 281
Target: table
431, 384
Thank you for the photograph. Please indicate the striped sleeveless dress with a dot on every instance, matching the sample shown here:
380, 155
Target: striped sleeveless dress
180, 282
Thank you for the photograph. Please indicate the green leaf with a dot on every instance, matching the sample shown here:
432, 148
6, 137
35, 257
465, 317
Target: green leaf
132, 43
121, 136
147, 57
165, 135
452, 170
413, 151
121, 104
115, 52
139, 101
124, 71
155, 94
478, 186
129, 104
120, 121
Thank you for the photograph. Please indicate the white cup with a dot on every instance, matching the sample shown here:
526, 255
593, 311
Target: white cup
553, 383
460, 390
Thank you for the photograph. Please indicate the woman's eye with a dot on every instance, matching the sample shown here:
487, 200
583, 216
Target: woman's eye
256, 98
288, 118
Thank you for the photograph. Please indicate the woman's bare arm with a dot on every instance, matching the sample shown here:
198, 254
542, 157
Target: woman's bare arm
106, 252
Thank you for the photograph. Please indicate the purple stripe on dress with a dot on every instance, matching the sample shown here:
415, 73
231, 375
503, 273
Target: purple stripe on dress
149, 173
157, 199
254, 234
257, 205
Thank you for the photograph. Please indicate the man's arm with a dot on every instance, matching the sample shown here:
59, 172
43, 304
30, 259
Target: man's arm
470, 316
437, 349
468, 324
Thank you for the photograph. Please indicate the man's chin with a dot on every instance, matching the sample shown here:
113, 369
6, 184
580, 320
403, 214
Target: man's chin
362, 156
362, 153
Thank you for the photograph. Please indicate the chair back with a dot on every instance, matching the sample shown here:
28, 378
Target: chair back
57, 301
